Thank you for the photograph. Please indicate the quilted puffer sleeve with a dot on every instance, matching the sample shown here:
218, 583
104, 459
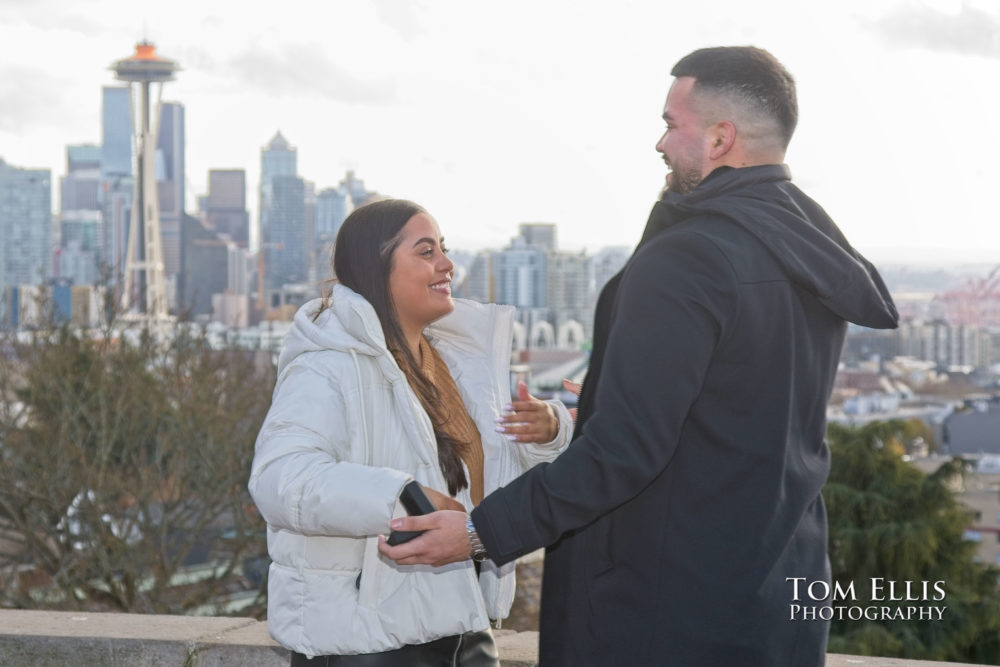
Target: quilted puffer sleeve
308, 473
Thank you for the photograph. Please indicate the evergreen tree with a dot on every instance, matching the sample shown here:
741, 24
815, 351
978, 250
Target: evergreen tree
890, 521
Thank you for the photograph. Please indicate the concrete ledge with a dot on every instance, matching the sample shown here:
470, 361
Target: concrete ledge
48, 638
54, 639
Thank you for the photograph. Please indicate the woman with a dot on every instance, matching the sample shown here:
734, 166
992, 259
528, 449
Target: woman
370, 396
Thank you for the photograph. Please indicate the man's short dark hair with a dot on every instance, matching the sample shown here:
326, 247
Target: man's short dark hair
752, 74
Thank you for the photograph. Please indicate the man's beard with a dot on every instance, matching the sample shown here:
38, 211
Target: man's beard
683, 181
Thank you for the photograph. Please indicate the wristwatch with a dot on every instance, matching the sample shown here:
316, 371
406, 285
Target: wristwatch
477, 551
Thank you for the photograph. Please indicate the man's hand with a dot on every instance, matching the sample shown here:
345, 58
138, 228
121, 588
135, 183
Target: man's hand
446, 540
573, 388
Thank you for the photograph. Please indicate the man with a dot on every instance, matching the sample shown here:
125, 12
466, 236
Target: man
688, 508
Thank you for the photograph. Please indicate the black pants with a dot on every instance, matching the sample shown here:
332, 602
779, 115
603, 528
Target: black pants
473, 649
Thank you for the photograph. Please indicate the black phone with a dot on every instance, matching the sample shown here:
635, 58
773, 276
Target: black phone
416, 503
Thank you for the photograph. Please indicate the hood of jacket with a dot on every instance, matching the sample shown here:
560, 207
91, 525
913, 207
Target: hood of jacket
349, 324
812, 251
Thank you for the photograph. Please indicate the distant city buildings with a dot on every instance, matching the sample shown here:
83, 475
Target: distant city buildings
210, 270
25, 226
554, 291
282, 217
539, 235
947, 345
116, 132
170, 185
519, 276
116, 185
81, 228
333, 205
225, 208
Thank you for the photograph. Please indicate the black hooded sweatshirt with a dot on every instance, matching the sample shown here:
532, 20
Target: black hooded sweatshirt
689, 502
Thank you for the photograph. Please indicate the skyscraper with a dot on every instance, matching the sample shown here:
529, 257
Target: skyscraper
478, 284
79, 187
567, 284
355, 188
309, 235
539, 234
206, 271
116, 184
520, 276
282, 216
213, 276
332, 207
284, 238
226, 205
116, 132
26, 242
170, 183
278, 158
80, 230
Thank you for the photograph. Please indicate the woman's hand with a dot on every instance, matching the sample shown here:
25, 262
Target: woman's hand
441, 501
573, 388
528, 419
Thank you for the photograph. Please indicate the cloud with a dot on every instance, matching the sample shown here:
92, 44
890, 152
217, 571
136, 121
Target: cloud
49, 15
970, 31
304, 69
401, 15
32, 97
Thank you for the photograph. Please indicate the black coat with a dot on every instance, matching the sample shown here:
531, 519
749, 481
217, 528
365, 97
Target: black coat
691, 492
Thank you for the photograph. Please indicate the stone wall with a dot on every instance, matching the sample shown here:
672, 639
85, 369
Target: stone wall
56, 639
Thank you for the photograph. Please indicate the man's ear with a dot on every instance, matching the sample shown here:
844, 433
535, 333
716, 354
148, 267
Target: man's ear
721, 137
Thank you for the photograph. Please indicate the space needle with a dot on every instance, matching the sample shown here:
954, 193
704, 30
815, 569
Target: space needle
144, 294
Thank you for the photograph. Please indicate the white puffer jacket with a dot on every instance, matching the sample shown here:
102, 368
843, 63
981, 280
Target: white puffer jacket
343, 435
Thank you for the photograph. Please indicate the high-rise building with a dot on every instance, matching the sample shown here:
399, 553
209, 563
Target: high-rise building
170, 183
26, 242
568, 288
284, 238
355, 188
278, 158
75, 264
80, 225
332, 207
519, 276
604, 264
478, 283
205, 267
116, 217
116, 183
226, 205
79, 187
539, 234
309, 237
282, 216
116, 132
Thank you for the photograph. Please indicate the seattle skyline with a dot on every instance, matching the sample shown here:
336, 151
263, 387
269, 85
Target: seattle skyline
541, 113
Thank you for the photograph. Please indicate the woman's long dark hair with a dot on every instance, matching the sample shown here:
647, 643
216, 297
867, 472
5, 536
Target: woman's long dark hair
362, 260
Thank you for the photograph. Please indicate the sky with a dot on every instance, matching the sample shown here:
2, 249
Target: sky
493, 114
